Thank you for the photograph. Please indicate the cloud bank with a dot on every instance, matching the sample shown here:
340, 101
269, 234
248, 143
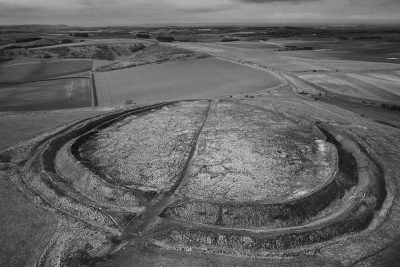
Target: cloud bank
131, 12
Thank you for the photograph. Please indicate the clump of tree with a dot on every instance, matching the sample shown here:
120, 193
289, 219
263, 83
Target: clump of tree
230, 39
3, 56
143, 35
81, 34
25, 40
136, 47
165, 38
62, 52
103, 52
67, 41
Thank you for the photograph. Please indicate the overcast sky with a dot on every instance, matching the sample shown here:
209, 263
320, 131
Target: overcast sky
134, 12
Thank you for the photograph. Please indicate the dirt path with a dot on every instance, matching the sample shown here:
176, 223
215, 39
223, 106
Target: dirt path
142, 225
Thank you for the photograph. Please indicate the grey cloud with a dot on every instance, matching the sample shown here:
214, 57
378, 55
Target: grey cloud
276, 1
204, 9
10, 10
95, 3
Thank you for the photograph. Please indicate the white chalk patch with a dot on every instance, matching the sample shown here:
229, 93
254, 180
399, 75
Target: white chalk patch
300, 193
320, 145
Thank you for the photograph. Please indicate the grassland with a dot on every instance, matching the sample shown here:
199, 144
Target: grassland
360, 50
46, 95
26, 228
355, 85
385, 82
37, 71
18, 127
203, 78
289, 61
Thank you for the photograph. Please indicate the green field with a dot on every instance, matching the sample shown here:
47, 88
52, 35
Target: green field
194, 79
37, 71
355, 85
46, 95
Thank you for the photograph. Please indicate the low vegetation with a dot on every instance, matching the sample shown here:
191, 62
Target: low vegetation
153, 54
163, 38
101, 52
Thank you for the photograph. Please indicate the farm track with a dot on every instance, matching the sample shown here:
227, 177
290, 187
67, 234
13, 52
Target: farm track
160, 202
93, 91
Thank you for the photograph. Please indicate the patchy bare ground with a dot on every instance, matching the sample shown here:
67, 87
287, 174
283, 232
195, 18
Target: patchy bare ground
148, 150
249, 154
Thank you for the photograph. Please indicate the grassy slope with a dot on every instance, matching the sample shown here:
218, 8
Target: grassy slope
25, 229
19, 127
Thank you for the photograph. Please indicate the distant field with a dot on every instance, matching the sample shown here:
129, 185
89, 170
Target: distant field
385, 82
355, 85
386, 76
46, 95
258, 45
203, 78
289, 61
337, 85
36, 71
362, 50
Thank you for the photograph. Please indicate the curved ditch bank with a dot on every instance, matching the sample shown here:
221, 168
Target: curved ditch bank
145, 152
44, 182
290, 212
91, 186
353, 215
64, 187
346, 203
